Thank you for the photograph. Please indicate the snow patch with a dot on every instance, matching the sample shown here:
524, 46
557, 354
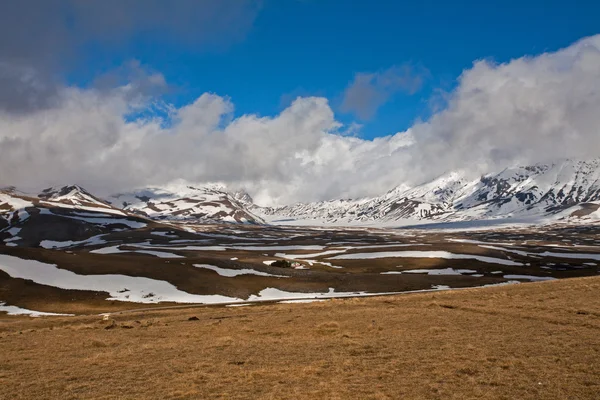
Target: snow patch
530, 277
424, 254
230, 273
120, 287
442, 271
14, 310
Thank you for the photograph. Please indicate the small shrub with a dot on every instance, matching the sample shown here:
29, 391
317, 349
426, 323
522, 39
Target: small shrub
282, 264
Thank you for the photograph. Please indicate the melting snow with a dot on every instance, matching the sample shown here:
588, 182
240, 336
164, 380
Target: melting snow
478, 242
106, 221
266, 248
440, 287
146, 290
305, 256
230, 273
104, 210
51, 244
109, 250
120, 287
14, 202
518, 252
588, 256
115, 250
530, 277
424, 254
186, 248
13, 310
14, 231
443, 271
160, 254
378, 246
277, 294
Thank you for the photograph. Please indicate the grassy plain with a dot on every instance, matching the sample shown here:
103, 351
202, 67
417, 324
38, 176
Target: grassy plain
527, 341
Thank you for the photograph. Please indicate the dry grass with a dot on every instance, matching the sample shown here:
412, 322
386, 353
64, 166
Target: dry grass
528, 341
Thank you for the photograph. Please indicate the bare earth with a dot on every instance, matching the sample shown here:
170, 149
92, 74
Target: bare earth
528, 341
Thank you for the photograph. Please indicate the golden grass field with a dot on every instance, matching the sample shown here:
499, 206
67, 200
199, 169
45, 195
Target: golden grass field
527, 341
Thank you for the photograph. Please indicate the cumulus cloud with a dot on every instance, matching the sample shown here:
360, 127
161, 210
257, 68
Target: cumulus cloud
531, 109
89, 140
369, 91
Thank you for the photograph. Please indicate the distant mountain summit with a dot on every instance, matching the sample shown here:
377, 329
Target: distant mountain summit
74, 195
244, 198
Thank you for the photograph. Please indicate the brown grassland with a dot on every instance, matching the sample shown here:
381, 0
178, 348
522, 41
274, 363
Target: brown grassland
528, 341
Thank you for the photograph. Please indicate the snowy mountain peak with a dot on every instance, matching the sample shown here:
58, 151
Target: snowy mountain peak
243, 197
514, 192
72, 194
563, 188
209, 203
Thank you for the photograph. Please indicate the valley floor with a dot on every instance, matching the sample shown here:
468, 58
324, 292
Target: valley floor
158, 265
529, 341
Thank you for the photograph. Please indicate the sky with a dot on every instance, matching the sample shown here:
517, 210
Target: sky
291, 100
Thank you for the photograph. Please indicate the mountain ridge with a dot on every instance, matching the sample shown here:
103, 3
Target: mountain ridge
567, 186
541, 189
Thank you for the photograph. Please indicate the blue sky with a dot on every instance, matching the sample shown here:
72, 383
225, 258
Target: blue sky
378, 64
302, 48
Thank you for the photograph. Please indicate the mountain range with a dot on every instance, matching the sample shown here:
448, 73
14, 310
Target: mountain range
567, 190
552, 190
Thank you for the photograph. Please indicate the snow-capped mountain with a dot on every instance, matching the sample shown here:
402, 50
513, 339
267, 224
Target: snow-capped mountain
72, 195
16, 206
513, 192
210, 203
566, 189
63, 214
13, 207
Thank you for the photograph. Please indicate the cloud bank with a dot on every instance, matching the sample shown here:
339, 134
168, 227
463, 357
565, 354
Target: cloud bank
531, 109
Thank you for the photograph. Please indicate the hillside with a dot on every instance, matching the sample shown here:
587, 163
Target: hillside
69, 215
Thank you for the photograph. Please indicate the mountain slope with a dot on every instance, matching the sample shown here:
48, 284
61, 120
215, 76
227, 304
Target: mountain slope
513, 192
59, 215
211, 203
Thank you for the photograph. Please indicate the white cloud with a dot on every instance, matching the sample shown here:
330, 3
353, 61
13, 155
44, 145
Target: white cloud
528, 110
532, 109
